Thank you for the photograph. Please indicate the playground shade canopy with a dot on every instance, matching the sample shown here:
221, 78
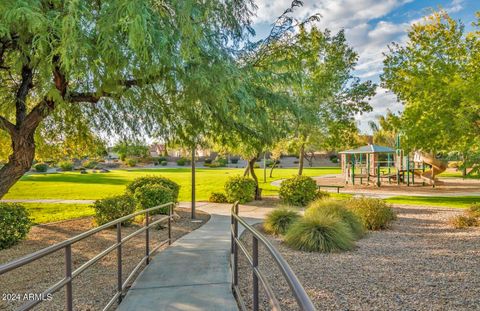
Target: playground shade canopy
368, 149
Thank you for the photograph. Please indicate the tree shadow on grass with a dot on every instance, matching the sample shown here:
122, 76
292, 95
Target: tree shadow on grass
78, 179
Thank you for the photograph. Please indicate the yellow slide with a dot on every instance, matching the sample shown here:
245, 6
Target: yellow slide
438, 167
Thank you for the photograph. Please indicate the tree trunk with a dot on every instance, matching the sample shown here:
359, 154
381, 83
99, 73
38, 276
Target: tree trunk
273, 166
246, 172
301, 160
19, 162
251, 166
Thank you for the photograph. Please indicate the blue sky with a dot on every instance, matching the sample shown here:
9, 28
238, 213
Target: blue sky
370, 25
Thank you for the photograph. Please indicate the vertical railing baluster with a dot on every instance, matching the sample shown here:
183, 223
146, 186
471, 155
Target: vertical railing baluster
235, 249
119, 262
255, 277
170, 213
68, 276
147, 237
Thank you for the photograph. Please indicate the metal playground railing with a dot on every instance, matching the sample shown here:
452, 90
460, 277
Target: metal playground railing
66, 246
297, 289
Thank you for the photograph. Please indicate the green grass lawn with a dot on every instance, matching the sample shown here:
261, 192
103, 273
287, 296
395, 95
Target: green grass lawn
75, 186
50, 212
453, 202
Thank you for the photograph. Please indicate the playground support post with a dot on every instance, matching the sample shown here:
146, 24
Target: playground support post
353, 171
408, 171
378, 173
388, 157
368, 168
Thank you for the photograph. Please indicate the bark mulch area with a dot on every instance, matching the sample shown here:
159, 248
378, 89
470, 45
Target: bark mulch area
420, 263
94, 287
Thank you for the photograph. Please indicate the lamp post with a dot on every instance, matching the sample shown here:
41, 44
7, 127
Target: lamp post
193, 182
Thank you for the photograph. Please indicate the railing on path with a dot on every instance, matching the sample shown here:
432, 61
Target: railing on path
67, 247
297, 289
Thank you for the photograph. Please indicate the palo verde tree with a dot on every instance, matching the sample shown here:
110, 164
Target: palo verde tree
117, 64
436, 76
324, 87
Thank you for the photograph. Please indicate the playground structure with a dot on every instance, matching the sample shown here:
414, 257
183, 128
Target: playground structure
377, 164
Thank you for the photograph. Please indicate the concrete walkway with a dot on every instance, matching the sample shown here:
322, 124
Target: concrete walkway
193, 274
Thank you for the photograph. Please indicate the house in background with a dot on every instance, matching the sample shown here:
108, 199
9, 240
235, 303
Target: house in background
159, 150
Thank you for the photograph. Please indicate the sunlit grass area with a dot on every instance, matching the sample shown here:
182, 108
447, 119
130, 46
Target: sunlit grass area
51, 212
454, 202
76, 186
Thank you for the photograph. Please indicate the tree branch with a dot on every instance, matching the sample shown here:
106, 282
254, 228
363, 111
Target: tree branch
94, 97
7, 125
38, 113
21, 96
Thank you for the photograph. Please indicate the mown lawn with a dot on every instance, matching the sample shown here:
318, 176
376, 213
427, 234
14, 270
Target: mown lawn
453, 202
75, 186
51, 212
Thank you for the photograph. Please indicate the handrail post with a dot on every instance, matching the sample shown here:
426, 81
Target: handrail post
255, 277
68, 276
235, 248
147, 237
119, 262
170, 213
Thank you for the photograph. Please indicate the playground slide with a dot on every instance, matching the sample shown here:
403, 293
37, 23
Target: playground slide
438, 167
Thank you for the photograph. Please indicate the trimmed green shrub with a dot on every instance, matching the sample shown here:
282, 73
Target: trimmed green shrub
41, 167
221, 161
14, 224
319, 233
131, 162
298, 191
474, 210
337, 209
239, 188
217, 197
163, 163
374, 213
149, 196
154, 180
111, 208
208, 161
90, 164
65, 166
183, 162
464, 221
279, 220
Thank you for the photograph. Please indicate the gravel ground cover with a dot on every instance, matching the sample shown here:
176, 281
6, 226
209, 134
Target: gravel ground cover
420, 263
93, 288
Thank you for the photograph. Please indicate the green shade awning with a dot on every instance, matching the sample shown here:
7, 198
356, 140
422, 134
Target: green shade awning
369, 149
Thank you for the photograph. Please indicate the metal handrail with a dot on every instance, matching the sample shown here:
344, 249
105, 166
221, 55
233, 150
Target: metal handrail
298, 291
67, 246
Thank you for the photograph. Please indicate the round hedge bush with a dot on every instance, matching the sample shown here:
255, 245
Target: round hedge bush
217, 197
149, 196
14, 224
240, 188
41, 167
111, 208
374, 213
154, 180
319, 233
298, 191
65, 166
337, 209
279, 220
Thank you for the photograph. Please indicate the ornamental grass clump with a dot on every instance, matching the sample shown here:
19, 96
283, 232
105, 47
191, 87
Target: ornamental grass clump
337, 209
320, 233
464, 221
279, 220
375, 214
474, 210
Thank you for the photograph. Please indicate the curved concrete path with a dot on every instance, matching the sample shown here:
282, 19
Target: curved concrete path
193, 274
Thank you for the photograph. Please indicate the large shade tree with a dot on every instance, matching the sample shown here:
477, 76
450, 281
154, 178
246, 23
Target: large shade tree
115, 64
436, 76
325, 88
